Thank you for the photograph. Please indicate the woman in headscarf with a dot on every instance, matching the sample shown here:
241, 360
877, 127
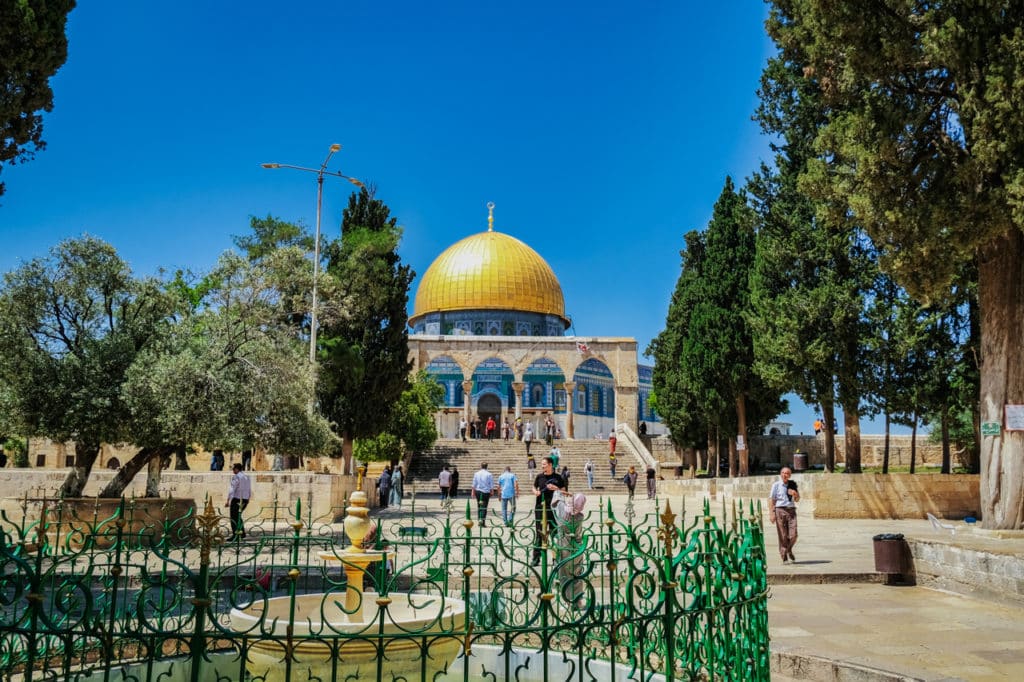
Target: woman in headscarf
396, 487
570, 561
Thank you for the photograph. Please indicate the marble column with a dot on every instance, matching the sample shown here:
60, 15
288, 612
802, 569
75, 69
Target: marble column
570, 404
627, 406
467, 398
520, 388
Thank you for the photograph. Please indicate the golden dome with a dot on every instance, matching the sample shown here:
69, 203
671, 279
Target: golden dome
489, 271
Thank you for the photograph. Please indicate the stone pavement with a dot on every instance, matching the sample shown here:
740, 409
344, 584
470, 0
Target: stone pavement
832, 618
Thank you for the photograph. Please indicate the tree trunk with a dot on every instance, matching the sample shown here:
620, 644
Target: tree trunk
946, 468
1001, 307
741, 419
851, 420
126, 474
153, 469
885, 452
346, 454
913, 444
732, 458
714, 466
828, 413
85, 457
974, 456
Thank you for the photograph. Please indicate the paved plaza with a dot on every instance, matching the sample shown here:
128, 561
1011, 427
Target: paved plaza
832, 618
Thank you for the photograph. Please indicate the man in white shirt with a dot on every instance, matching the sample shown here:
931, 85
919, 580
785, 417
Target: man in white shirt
782, 512
239, 492
483, 485
462, 428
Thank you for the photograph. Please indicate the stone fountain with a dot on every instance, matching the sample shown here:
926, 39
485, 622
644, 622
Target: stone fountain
406, 632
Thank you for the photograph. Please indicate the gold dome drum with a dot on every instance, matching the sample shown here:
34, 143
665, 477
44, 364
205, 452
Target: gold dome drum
489, 271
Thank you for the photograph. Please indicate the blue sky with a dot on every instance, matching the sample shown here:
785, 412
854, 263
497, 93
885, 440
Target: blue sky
602, 131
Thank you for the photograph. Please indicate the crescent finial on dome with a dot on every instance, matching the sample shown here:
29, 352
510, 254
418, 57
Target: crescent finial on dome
490, 216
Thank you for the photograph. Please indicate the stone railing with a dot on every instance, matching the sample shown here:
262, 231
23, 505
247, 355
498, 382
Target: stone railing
633, 441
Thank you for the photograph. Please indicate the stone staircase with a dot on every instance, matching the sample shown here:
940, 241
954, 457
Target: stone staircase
424, 468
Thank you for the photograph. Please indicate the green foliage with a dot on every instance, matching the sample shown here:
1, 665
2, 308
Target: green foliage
677, 404
17, 451
704, 358
71, 325
270, 234
925, 128
413, 416
364, 338
384, 447
33, 46
232, 374
411, 426
813, 265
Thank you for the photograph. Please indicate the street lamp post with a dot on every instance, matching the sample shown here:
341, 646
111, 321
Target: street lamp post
320, 173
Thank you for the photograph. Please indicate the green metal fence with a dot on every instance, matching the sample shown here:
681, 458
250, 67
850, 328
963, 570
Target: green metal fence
132, 595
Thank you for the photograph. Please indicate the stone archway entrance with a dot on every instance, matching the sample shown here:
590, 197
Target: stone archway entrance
489, 405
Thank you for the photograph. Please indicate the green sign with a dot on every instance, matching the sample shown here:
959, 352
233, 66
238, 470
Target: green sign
991, 428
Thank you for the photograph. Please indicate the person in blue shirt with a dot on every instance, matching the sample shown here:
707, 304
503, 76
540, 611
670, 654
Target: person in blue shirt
509, 485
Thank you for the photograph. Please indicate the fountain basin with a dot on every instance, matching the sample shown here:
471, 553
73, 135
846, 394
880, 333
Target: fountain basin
406, 632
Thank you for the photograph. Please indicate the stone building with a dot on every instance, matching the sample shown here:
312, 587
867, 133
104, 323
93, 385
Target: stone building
489, 323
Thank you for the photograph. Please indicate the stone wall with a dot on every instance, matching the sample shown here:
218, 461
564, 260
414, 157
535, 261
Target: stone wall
779, 449
896, 496
323, 495
44, 453
853, 496
972, 565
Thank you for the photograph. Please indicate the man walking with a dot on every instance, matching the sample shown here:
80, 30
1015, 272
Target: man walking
462, 428
483, 486
508, 483
544, 487
239, 493
490, 427
444, 482
782, 512
588, 468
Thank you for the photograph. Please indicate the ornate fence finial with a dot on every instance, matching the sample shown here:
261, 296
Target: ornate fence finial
210, 534
667, 531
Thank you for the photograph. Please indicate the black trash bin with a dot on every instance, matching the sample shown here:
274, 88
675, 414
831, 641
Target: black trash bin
892, 555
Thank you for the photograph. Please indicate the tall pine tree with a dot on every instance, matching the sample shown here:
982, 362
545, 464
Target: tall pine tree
364, 349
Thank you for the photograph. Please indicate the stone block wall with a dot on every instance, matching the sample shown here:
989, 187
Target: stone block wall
853, 496
323, 495
896, 496
973, 567
44, 453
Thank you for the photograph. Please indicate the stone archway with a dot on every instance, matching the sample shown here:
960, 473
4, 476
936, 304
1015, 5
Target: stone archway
489, 405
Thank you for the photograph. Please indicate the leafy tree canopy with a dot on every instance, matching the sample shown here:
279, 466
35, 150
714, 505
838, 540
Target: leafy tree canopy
71, 325
33, 46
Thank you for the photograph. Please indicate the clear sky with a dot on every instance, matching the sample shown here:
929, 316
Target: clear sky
603, 131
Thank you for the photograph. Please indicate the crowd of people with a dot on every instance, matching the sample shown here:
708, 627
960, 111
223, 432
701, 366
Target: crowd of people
508, 430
